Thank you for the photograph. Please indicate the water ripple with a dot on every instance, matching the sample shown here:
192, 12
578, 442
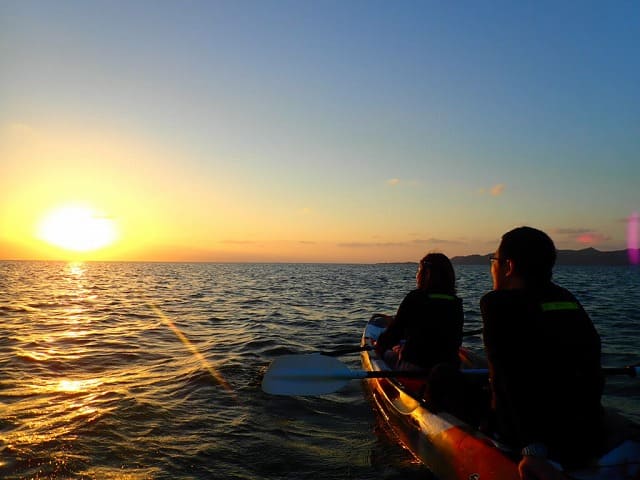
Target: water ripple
153, 371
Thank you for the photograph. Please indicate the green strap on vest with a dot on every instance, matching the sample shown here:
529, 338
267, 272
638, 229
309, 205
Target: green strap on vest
558, 306
441, 296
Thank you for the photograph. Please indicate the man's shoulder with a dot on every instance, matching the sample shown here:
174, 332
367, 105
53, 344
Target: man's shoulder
557, 292
506, 304
502, 296
552, 291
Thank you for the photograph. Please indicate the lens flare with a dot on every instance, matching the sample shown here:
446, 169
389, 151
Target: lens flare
632, 239
192, 348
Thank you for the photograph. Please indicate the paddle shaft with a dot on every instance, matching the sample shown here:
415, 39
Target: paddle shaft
607, 371
315, 374
344, 351
347, 350
355, 374
346, 374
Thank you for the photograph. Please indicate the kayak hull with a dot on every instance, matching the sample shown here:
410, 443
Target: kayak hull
454, 450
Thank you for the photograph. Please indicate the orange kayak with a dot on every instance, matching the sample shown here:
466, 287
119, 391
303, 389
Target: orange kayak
455, 450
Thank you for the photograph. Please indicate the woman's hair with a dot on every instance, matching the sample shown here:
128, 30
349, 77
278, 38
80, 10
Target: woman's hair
442, 278
532, 252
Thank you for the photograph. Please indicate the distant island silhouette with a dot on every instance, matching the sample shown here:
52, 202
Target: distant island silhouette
586, 256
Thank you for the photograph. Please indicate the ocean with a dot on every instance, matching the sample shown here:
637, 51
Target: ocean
153, 370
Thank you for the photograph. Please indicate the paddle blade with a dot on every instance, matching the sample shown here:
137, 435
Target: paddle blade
311, 374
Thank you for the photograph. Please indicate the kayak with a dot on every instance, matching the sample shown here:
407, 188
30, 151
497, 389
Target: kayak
455, 450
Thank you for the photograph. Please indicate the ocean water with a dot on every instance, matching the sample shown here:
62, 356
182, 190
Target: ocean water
153, 370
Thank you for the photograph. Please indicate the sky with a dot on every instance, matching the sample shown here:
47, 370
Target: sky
315, 131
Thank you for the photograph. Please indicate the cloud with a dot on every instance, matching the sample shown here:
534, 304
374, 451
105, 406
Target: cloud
442, 241
370, 244
584, 236
497, 190
430, 241
626, 220
592, 238
494, 191
18, 130
393, 182
241, 242
571, 231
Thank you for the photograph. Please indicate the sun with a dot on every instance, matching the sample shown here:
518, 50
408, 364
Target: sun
77, 228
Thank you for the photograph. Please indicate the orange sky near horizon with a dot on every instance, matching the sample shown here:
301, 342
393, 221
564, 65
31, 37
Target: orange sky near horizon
163, 212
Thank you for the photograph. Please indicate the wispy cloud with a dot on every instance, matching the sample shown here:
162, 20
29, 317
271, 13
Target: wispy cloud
370, 244
398, 182
571, 231
241, 242
442, 241
584, 236
495, 191
426, 242
626, 219
592, 238
17, 129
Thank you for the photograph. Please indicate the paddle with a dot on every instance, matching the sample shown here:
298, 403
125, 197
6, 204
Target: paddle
315, 374
344, 351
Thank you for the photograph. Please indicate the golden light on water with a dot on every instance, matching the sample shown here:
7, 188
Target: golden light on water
76, 268
76, 382
74, 386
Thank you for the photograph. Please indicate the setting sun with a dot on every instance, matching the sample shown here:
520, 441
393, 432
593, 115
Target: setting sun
77, 228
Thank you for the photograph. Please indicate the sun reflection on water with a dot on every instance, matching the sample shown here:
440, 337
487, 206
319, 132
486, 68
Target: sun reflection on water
67, 385
52, 401
52, 410
87, 370
77, 269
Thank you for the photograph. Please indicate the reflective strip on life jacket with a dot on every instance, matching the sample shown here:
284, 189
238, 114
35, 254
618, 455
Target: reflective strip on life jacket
441, 296
555, 306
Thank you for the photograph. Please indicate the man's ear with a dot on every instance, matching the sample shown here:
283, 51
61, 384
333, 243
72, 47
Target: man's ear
510, 268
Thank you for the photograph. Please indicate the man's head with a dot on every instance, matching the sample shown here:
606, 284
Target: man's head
525, 257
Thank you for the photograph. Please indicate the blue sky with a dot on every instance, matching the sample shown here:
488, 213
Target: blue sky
322, 131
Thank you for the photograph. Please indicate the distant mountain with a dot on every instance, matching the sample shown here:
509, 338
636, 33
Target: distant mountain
586, 256
472, 259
